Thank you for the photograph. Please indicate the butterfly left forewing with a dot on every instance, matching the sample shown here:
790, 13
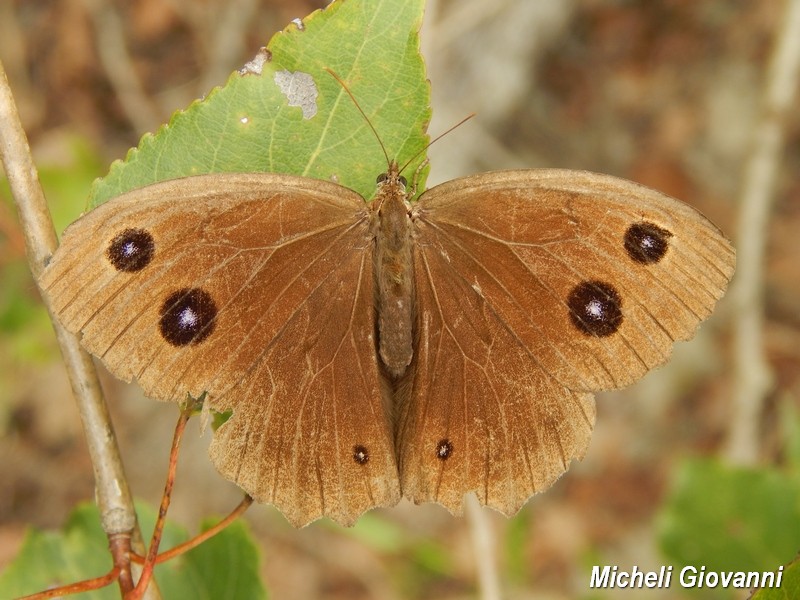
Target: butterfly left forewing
535, 289
279, 271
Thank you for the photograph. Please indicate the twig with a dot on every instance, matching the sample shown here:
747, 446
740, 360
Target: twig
228, 40
166, 498
483, 545
753, 376
76, 588
118, 65
113, 496
207, 534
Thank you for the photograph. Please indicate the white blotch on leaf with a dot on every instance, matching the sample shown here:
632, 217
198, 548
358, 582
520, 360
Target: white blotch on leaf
244, 120
256, 66
300, 90
299, 23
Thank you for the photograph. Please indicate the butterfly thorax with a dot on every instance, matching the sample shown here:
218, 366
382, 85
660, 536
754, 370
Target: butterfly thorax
393, 273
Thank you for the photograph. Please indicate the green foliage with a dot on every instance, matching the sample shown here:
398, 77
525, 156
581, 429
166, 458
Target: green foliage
517, 533
26, 339
728, 518
423, 560
790, 586
249, 125
226, 566
731, 519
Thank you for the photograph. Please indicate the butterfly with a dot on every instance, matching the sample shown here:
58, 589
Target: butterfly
370, 351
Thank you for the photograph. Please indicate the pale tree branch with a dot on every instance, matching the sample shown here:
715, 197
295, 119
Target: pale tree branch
484, 546
113, 496
753, 380
118, 65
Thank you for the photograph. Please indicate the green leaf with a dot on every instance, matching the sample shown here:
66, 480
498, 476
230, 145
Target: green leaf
24, 324
250, 125
731, 519
789, 588
226, 566
50, 559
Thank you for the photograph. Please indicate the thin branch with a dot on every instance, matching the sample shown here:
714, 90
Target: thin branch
206, 535
166, 499
484, 549
753, 374
228, 33
112, 493
76, 588
118, 65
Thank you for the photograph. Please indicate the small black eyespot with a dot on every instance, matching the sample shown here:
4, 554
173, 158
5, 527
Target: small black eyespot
131, 250
647, 243
360, 454
444, 449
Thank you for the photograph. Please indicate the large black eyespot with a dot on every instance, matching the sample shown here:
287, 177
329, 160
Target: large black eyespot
187, 316
595, 308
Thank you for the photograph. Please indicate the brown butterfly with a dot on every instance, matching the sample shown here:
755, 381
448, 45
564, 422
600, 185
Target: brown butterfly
376, 350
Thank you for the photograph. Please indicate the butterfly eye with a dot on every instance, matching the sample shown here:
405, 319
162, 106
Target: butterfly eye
382, 177
403, 181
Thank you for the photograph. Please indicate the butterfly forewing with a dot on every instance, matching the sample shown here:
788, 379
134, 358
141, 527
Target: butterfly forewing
534, 289
275, 276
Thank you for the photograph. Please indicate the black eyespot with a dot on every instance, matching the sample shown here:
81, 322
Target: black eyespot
595, 308
187, 316
382, 177
646, 243
444, 449
402, 180
361, 454
131, 250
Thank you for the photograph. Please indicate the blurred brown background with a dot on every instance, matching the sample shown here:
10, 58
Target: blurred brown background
664, 92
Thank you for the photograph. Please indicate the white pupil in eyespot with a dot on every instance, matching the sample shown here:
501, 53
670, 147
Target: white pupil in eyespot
187, 318
594, 309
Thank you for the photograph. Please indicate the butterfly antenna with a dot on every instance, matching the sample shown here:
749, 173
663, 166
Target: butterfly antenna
363, 114
436, 139
375, 132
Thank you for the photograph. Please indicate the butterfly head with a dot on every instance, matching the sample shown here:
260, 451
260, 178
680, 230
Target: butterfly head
392, 187
391, 179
